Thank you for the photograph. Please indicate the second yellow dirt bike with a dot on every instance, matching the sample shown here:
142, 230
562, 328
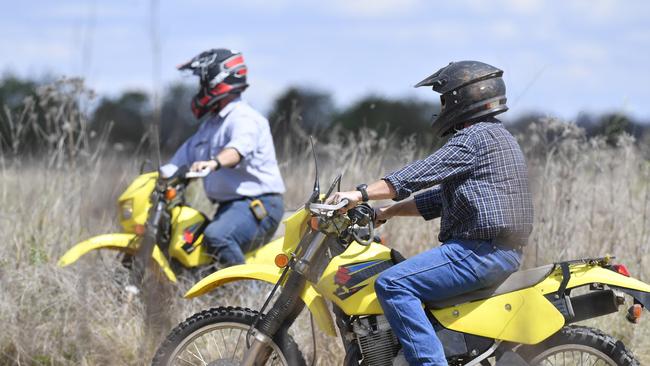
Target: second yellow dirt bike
157, 220
327, 257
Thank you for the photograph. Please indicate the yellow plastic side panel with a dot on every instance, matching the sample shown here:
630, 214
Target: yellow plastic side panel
295, 227
363, 300
120, 242
139, 191
523, 316
184, 217
585, 274
271, 274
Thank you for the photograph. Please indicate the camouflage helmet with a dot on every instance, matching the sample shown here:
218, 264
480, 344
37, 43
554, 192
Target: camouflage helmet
470, 90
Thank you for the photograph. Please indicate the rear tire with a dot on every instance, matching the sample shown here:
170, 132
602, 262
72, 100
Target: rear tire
198, 325
578, 343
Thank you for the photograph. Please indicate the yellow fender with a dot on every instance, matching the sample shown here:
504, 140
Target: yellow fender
586, 274
271, 274
119, 242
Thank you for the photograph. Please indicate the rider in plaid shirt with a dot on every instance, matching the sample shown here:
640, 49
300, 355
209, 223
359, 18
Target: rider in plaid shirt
481, 187
480, 191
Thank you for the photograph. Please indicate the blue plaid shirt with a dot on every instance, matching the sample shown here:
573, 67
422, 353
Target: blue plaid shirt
481, 186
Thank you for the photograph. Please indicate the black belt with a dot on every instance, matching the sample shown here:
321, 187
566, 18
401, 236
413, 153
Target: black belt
245, 198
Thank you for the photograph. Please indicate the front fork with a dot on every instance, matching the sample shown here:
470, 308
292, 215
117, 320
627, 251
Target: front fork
288, 305
150, 237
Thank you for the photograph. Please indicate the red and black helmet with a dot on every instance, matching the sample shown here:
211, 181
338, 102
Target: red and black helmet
221, 72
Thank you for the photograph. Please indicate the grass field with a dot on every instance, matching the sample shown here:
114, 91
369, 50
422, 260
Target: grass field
590, 199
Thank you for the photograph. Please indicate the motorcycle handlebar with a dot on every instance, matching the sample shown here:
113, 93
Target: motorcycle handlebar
326, 207
202, 174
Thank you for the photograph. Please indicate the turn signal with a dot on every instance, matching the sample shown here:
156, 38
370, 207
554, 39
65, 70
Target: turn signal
281, 260
188, 236
313, 223
621, 269
139, 229
634, 313
170, 193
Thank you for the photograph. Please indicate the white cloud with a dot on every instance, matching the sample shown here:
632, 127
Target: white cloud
76, 11
376, 8
586, 51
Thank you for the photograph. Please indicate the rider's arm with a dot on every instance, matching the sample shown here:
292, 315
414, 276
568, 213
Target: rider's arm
403, 208
228, 157
454, 159
427, 204
242, 137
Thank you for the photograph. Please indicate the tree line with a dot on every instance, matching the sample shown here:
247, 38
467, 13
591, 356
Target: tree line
126, 118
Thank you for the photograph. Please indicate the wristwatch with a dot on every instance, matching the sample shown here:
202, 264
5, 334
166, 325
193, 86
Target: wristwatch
364, 192
218, 163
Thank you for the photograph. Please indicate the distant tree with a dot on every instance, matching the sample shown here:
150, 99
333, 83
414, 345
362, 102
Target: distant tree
129, 113
177, 121
13, 92
312, 110
521, 124
611, 126
401, 116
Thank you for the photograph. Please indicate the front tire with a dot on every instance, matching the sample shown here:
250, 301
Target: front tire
575, 345
219, 335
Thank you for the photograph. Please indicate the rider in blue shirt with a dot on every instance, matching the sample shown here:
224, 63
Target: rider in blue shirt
235, 143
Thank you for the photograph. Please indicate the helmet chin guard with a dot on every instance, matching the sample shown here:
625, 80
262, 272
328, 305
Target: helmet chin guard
221, 72
470, 90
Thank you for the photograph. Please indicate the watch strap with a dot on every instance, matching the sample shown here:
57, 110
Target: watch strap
364, 192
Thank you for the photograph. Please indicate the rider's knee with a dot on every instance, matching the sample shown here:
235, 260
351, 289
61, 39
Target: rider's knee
381, 284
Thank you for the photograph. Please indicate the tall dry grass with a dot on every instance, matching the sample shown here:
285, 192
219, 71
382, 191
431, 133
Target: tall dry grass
590, 199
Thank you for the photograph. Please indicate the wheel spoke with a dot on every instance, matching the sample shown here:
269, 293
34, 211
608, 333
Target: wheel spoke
216, 345
578, 356
184, 360
200, 354
234, 353
202, 347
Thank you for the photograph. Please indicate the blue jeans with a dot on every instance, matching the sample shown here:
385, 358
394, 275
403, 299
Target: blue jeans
454, 268
234, 230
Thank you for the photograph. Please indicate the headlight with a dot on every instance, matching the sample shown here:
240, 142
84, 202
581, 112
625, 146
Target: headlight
126, 209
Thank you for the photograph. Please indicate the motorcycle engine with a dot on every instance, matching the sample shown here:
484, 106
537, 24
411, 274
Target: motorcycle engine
377, 342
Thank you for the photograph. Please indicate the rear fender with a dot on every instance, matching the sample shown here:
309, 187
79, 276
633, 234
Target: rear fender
271, 274
119, 242
586, 274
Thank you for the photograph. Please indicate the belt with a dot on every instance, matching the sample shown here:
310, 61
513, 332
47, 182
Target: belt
245, 198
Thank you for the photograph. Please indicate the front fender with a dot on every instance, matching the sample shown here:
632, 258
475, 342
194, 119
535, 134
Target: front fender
119, 242
271, 274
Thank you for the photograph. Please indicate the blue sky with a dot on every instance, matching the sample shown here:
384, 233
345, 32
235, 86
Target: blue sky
560, 57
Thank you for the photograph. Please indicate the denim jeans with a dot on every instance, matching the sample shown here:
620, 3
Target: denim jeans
234, 230
454, 268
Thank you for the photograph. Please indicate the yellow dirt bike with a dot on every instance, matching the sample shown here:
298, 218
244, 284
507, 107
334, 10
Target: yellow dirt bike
327, 257
156, 220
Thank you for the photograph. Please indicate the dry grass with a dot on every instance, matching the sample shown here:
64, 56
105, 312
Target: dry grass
590, 199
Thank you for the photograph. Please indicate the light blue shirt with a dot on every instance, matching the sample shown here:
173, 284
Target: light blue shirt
241, 127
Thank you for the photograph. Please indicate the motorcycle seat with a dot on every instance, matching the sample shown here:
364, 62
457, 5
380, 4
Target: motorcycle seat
516, 281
